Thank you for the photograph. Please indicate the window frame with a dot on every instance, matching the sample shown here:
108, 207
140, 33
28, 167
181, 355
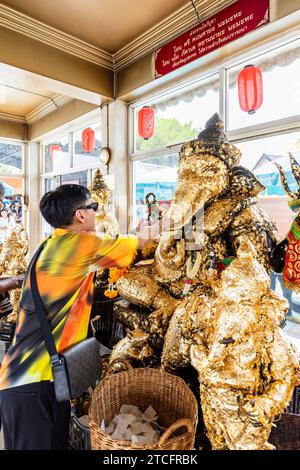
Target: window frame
23, 175
266, 129
61, 132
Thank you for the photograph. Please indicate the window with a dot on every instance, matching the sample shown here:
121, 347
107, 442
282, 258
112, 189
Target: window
180, 117
281, 91
80, 177
52, 183
11, 158
65, 161
263, 137
259, 156
12, 180
82, 158
155, 175
57, 156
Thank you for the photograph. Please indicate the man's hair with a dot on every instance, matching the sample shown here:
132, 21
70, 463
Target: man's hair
58, 206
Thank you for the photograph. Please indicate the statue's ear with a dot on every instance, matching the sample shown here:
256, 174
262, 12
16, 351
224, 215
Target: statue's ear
244, 183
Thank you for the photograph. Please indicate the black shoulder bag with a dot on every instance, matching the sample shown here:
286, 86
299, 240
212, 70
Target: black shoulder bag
78, 367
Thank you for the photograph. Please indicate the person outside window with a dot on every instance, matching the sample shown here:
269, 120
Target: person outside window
30, 414
7, 223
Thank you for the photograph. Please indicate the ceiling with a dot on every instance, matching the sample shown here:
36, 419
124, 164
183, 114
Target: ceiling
107, 24
19, 102
22, 101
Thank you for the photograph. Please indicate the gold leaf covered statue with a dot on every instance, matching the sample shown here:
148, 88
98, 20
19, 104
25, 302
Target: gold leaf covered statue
213, 210
188, 309
105, 222
13, 261
247, 367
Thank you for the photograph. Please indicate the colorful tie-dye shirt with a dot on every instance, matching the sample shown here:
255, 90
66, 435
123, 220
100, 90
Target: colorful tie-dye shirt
65, 271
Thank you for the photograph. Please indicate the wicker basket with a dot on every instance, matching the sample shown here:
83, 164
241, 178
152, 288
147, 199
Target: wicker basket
174, 402
286, 434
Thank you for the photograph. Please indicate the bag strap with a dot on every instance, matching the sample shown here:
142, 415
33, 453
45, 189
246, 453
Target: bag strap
41, 311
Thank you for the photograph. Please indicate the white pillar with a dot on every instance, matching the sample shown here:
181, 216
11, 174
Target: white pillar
32, 190
118, 165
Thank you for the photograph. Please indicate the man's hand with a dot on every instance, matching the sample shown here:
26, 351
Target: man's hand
147, 231
12, 282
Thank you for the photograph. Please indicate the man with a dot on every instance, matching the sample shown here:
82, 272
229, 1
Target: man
30, 414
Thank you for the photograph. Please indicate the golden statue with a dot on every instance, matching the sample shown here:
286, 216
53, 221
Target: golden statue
13, 261
246, 365
213, 210
185, 308
105, 223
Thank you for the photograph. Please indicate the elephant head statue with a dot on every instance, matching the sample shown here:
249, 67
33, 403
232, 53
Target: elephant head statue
204, 172
211, 188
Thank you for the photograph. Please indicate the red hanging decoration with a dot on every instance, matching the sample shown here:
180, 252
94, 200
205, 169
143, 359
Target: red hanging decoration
54, 148
250, 86
88, 140
146, 122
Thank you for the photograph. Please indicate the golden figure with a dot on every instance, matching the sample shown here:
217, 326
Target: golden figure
214, 209
247, 367
227, 326
105, 223
13, 261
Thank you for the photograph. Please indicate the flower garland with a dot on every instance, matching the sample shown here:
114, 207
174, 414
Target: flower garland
114, 274
153, 210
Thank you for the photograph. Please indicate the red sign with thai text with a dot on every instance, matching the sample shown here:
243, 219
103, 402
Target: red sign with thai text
229, 24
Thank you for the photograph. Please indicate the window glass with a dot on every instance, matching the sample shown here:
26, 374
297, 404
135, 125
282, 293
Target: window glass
281, 91
80, 177
155, 175
52, 183
11, 213
57, 156
180, 116
259, 156
10, 158
82, 158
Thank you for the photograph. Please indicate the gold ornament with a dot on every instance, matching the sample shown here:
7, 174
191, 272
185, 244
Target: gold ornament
105, 223
13, 261
99, 190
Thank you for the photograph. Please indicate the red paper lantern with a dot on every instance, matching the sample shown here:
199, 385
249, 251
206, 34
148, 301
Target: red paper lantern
146, 122
88, 140
250, 86
54, 148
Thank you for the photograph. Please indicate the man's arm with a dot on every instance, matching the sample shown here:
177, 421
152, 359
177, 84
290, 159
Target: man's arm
9, 283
